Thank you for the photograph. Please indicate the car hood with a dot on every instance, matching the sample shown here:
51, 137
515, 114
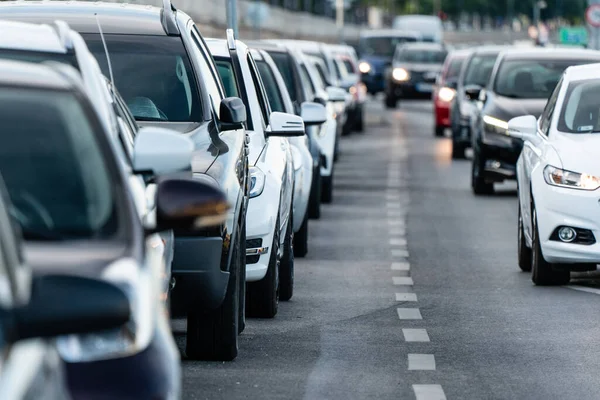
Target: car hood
578, 152
505, 108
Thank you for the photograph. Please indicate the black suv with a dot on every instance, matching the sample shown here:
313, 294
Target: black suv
165, 73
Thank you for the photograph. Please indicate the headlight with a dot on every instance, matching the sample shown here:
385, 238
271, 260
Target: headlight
364, 67
400, 75
495, 132
257, 182
569, 179
446, 94
497, 123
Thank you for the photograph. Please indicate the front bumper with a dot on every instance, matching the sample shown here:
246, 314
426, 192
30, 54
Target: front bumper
555, 207
411, 89
375, 82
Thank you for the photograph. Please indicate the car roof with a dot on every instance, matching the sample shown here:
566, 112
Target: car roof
423, 46
549, 54
388, 33
264, 45
31, 37
583, 72
491, 49
219, 47
32, 75
115, 18
462, 53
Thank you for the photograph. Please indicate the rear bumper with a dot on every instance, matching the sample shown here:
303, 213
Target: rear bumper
442, 114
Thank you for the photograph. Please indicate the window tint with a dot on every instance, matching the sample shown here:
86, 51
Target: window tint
273, 93
307, 82
454, 68
581, 108
421, 56
228, 78
546, 117
38, 57
53, 167
153, 74
284, 64
349, 66
338, 72
262, 98
210, 76
480, 69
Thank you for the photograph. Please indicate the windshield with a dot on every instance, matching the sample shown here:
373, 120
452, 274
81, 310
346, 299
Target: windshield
381, 46
284, 64
480, 69
530, 79
271, 87
454, 68
422, 56
581, 108
153, 74
53, 167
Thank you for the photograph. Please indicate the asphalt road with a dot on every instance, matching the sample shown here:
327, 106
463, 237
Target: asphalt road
411, 290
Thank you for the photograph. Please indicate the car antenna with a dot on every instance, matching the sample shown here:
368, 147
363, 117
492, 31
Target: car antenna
110, 70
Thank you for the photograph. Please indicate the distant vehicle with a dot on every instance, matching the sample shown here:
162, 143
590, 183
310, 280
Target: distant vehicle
521, 83
414, 71
559, 177
376, 49
445, 89
429, 27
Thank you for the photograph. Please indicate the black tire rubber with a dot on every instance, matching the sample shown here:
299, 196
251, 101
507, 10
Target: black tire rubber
542, 272
286, 266
301, 240
458, 150
359, 125
314, 202
262, 297
478, 183
242, 280
391, 101
213, 335
523, 252
327, 189
439, 131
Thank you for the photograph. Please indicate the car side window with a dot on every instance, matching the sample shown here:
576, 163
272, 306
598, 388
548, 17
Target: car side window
546, 117
260, 91
212, 81
307, 82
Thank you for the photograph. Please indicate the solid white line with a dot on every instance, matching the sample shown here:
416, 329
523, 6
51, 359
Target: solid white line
415, 335
403, 281
397, 242
429, 392
406, 297
421, 362
584, 289
409, 313
400, 253
400, 266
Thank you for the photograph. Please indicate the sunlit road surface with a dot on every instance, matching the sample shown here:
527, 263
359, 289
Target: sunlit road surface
411, 290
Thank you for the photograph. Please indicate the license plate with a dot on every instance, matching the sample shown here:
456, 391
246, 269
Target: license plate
424, 87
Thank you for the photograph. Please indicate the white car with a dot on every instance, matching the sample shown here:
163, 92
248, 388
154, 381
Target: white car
312, 114
269, 220
558, 174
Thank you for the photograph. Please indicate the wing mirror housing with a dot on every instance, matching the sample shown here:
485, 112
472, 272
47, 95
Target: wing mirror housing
233, 114
472, 92
64, 305
313, 113
336, 94
187, 205
524, 127
285, 125
161, 151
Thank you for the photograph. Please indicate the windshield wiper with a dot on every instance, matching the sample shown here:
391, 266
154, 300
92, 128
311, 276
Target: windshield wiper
150, 119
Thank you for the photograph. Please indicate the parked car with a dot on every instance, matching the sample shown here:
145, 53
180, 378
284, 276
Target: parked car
559, 176
269, 222
65, 180
414, 71
37, 309
444, 92
521, 83
312, 114
165, 73
375, 51
474, 75
429, 27
299, 89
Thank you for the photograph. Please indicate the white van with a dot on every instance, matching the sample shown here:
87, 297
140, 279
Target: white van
429, 26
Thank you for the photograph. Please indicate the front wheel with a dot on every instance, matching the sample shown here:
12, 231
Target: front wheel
391, 101
301, 239
286, 267
314, 202
478, 183
439, 131
542, 272
523, 252
327, 190
458, 150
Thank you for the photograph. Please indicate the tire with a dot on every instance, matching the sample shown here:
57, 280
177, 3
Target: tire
523, 252
301, 240
391, 101
439, 131
359, 125
458, 150
542, 272
286, 266
242, 281
213, 335
262, 297
314, 202
478, 183
327, 190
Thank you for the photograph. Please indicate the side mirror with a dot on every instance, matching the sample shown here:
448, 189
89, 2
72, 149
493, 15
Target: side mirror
313, 113
64, 305
336, 94
472, 92
524, 127
161, 151
233, 114
187, 205
287, 125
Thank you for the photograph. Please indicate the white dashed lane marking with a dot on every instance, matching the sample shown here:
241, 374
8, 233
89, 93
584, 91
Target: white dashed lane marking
395, 222
409, 313
403, 281
400, 253
415, 335
429, 392
421, 362
398, 242
406, 297
400, 266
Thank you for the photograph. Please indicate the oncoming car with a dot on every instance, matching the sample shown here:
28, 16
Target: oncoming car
558, 173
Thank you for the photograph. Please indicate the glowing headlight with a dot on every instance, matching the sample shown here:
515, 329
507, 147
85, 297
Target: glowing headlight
495, 122
257, 182
569, 179
446, 94
364, 67
400, 74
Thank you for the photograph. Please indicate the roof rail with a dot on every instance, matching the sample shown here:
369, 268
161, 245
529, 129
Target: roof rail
168, 20
64, 33
230, 39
